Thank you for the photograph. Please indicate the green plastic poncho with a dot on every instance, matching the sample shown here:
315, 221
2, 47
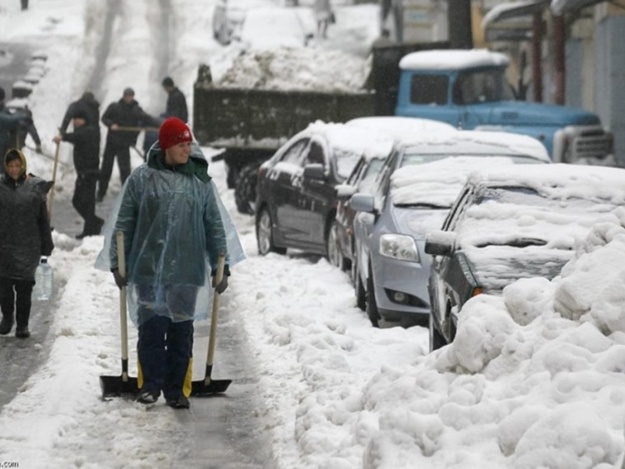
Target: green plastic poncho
175, 227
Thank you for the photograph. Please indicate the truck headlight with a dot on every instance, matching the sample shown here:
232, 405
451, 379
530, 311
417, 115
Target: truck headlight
400, 247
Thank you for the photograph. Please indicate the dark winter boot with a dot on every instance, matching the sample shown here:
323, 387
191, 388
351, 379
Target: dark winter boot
22, 313
22, 332
6, 324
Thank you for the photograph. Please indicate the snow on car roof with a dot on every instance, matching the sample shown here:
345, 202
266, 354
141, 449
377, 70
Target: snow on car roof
479, 141
353, 139
439, 182
401, 127
452, 59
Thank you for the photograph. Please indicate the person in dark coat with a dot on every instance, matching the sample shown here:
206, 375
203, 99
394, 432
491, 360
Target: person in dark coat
25, 236
10, 125
86, 141
176, 102
124, 113
89, 107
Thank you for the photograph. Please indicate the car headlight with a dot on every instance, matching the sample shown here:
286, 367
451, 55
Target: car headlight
399, 247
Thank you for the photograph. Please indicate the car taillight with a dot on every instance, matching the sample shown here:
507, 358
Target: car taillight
476, 291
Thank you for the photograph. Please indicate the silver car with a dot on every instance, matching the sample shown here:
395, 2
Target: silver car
392, 268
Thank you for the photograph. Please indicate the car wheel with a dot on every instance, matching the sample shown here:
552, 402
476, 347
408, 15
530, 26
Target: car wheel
264, 234
361, 298
372, 307
333, 251
436, 338
245, 189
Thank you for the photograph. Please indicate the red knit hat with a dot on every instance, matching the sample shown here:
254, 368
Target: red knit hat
172, 132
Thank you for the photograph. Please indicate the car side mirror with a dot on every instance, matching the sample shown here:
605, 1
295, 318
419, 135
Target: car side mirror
362, 202
440, 243
314, 172
344, 191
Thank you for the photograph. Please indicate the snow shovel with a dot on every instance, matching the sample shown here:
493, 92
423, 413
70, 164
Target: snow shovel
208, 386
124, 385
53, 190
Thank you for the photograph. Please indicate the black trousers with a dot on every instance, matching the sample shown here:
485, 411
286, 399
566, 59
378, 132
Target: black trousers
84, 201
165, 347
15, 298
112, 150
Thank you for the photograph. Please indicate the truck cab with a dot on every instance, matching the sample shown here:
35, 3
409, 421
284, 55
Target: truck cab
469, 90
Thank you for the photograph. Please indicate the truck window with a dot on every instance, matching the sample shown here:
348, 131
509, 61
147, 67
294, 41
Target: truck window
429, 89
483, 86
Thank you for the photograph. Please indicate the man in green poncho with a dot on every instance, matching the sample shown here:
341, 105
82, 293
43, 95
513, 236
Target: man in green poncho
171, 222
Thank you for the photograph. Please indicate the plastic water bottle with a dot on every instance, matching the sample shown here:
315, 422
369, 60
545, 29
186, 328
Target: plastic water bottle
44, 279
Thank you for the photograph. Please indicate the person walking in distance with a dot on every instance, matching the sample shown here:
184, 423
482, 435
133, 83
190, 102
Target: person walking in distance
25, 236
176, 102
85, 139
125, 113
323, 15
173, 229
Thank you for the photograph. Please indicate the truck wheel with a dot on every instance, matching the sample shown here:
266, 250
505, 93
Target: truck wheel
245, 189
264, 234
372, 307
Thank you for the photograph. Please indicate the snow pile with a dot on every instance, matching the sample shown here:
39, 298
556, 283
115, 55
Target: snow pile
287, 68
522, 385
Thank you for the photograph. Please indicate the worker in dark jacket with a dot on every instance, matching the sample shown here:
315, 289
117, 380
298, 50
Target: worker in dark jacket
89, 107
86, 143
24, 237
176, 102
13, 125
125, 113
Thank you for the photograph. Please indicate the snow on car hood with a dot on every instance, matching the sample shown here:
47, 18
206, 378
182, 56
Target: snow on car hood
533, 228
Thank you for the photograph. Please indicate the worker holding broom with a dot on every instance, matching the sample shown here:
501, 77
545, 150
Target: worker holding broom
171, 218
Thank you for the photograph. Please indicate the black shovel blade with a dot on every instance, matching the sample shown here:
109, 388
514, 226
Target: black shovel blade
116, 386
209, 387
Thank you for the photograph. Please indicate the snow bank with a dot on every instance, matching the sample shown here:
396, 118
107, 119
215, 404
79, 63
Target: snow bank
533, 379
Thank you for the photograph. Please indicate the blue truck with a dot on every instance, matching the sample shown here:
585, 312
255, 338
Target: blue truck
469, 89
465, 88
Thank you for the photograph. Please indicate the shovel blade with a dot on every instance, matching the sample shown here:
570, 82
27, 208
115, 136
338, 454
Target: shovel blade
116, 386
209, 387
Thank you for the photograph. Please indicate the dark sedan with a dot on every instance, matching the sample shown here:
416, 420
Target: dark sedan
296, 194
513, 224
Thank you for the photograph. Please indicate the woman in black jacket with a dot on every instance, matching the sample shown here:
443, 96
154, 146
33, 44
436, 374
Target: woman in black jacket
25, 236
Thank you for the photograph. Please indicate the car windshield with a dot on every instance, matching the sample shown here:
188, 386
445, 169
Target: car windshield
521, 216
345, 162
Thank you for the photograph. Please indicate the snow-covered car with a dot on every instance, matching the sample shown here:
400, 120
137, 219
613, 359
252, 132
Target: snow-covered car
391, 268
367, 170
296, 191
509, 224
